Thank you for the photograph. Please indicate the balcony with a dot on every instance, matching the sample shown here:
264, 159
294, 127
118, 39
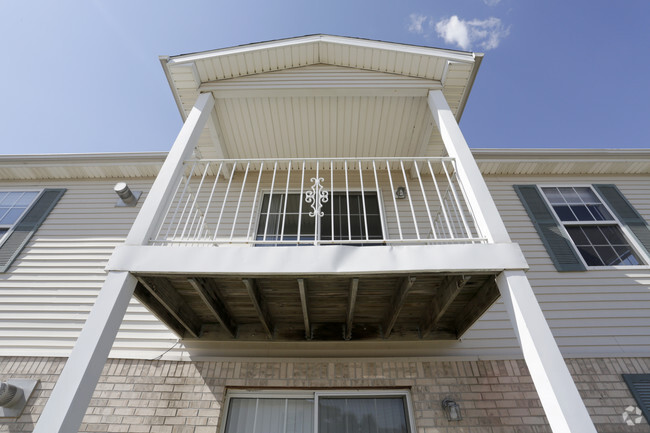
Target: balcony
318, 249
319, 202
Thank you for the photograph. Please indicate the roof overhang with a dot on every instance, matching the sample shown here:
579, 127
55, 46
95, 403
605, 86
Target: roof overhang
492, 162
368, 81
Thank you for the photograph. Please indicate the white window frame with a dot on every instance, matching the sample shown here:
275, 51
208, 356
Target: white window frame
380, 204
315, 395
631, 239
11, 228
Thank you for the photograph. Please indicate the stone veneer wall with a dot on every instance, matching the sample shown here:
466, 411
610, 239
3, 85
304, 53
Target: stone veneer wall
187, 397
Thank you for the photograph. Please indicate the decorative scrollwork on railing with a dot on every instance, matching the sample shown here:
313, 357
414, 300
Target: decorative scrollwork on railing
316, 197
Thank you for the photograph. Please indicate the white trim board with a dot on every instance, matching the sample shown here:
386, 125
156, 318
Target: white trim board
317, 260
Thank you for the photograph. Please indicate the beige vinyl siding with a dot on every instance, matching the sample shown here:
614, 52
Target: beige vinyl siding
47, 293
597, 312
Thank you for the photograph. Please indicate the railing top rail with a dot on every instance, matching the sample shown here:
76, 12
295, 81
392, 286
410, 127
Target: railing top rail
410, 158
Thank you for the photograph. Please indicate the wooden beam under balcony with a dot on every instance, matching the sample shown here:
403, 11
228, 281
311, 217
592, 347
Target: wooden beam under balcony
328, 307
159, 310
396, 304
480, 302
352, 300
305, 311
445, 295
209, 292
167, 296
259, 304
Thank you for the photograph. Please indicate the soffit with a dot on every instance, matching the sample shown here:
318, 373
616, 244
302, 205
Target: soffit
301, 87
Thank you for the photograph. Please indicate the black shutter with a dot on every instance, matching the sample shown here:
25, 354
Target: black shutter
559, 247
625, 213
27, 226
639, 385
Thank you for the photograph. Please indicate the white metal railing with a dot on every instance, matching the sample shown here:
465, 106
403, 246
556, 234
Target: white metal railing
358, 201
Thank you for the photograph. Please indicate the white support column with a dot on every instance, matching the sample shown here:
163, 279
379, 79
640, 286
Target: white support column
479, 198
69, 400
162, 189
562, 403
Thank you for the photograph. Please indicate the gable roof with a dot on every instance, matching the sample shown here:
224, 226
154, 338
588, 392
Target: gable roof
454, 70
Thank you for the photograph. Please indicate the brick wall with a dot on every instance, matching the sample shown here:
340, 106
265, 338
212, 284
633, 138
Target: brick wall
187, 397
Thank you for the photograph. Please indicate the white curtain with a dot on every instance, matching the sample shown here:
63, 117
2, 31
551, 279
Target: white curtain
270, 415
361, 415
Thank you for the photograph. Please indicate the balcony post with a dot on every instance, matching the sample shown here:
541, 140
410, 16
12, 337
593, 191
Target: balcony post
485, 211
71, 395
560, 398
562, 403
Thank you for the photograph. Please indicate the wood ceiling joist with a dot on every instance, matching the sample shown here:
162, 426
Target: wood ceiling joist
157, 309
445, 295
482, 300
259, 304
352, 300
397, 302
162, 290
209, 292
305, 311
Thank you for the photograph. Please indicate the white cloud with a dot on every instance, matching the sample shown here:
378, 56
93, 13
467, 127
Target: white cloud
491, 2
485, 34
416, 23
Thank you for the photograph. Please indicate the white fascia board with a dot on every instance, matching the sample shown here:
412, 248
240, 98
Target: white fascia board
468, 87
317, 260
71, 159
164, 61
561, 155
457, 56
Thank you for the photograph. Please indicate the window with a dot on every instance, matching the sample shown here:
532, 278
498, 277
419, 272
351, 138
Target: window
21, 214
283, 221
319, 412
594, 230
13, 205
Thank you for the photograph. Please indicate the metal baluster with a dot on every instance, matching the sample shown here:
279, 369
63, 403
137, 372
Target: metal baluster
243, 184
408, 194
426, 202
207, 207
223, 204
464, 196
381, 213
317, 199
453, 191
180, 199
442, 204
257, 188
286, 199
392, 192
332, 195
268, 208
196, 198
167, 213
363, 201
302, 185
347, 198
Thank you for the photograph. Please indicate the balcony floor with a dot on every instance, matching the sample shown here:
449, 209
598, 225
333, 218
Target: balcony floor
413, 306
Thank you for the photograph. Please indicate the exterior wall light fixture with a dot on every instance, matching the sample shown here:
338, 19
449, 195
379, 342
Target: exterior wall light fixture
400, 192
452, 410
127, 197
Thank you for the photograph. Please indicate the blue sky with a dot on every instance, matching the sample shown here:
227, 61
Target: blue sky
84, 76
